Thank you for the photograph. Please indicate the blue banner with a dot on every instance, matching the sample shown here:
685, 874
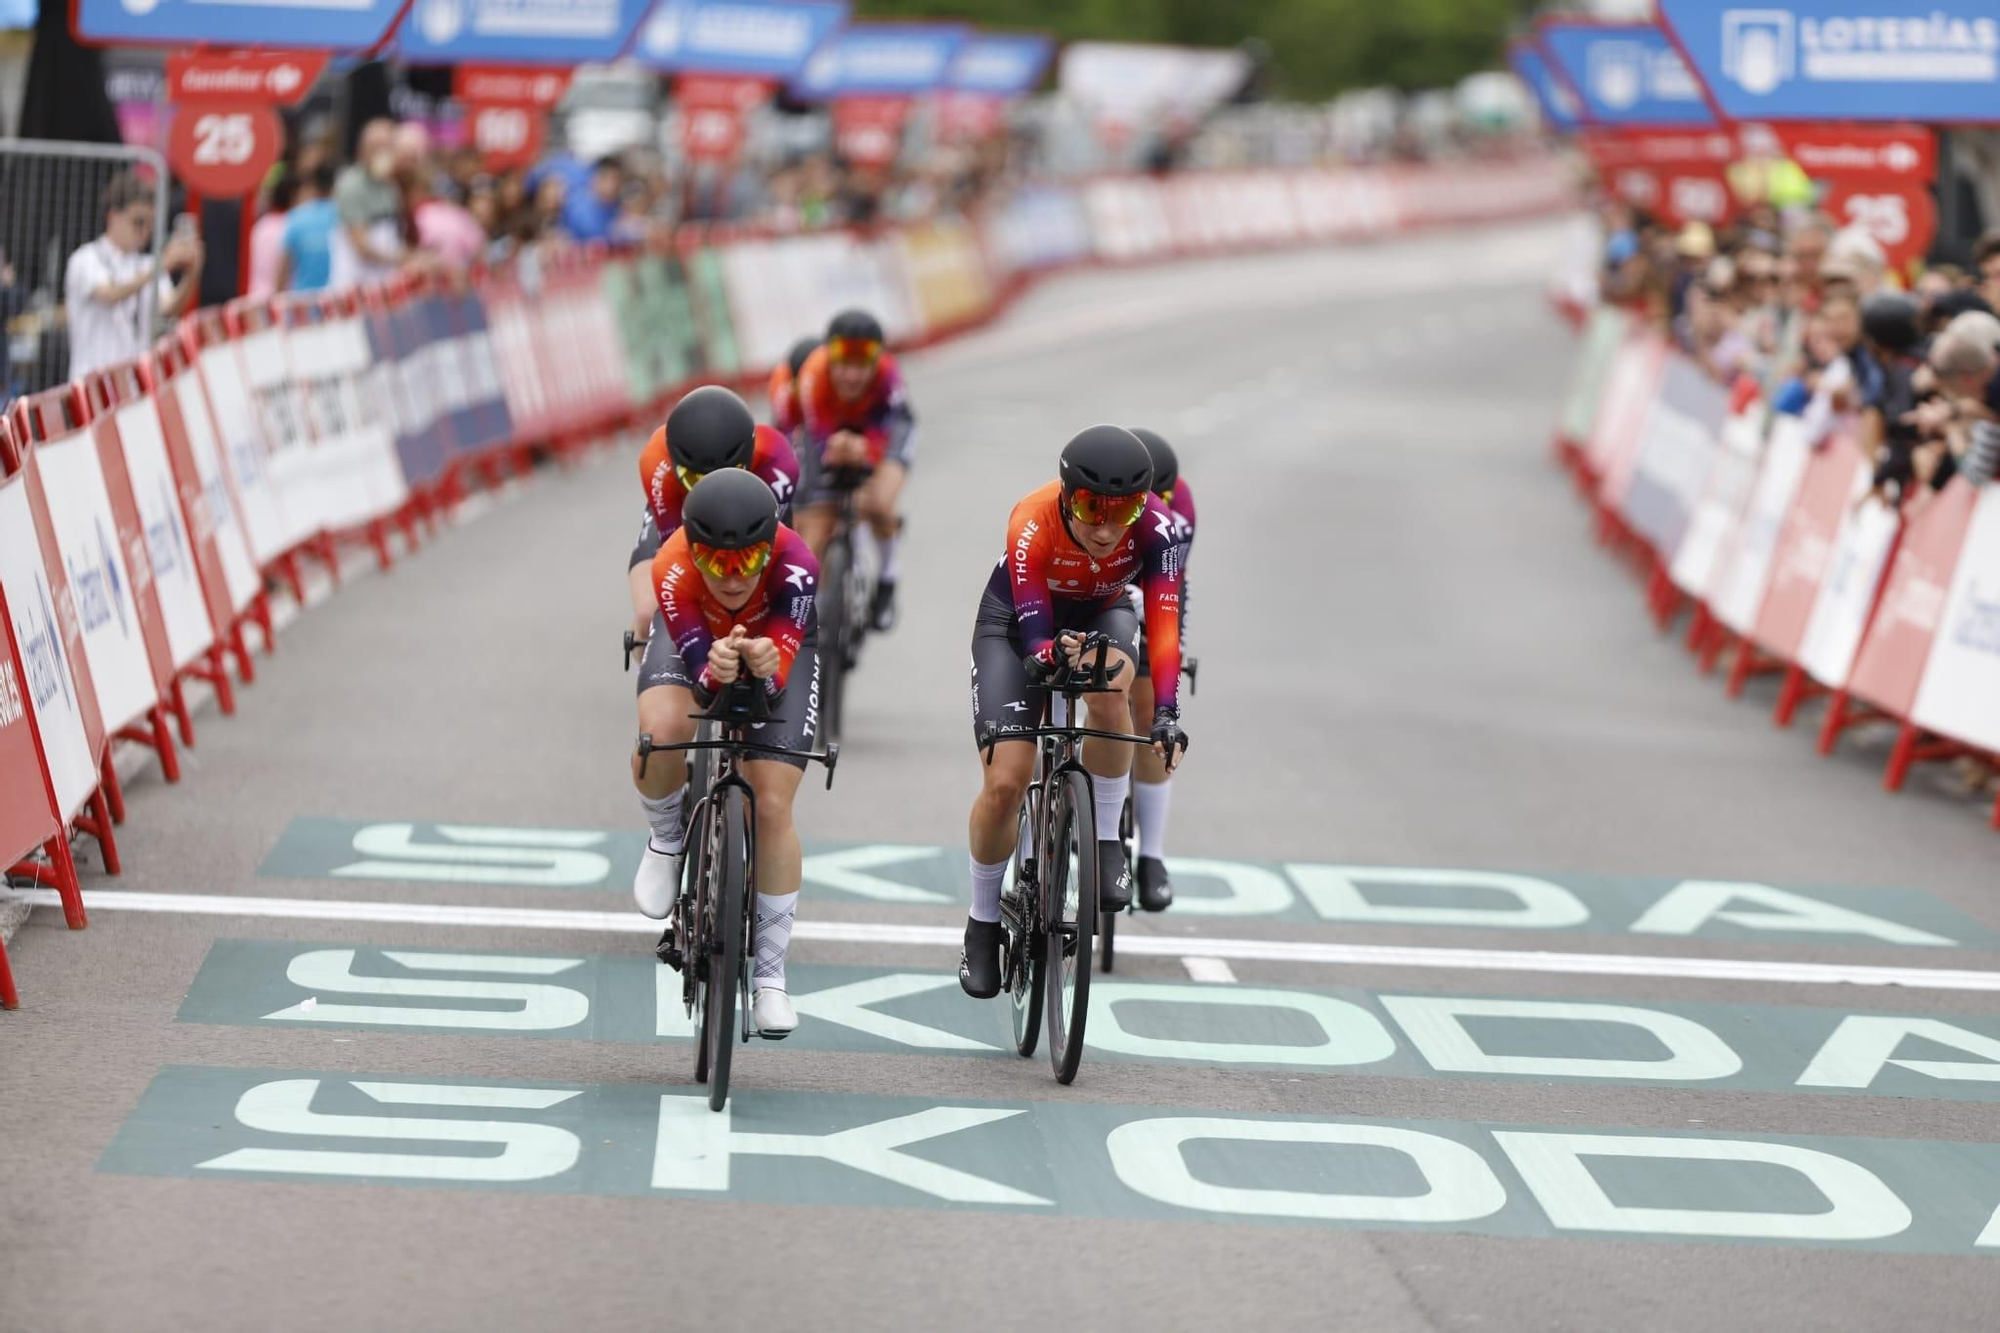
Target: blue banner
518, 32
769, 39
1557, 102
1845, 59
882, 59
1002, 64
336, 25
1628, 74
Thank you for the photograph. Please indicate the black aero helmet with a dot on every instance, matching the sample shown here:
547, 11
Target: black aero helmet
796, 358
1106, 460
711, 429
1166, 467
730, 510
1892, 319
856, 324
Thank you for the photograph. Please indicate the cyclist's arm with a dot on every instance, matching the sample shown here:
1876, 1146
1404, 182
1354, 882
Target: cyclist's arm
1027, 578
646, 547
815, 398
795, 574
639, 576
1183, 506
778, 464
678, 589
662, 487
1161, 581
894, 418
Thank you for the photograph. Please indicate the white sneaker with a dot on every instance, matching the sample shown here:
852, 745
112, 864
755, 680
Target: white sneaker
774, 1013
658, 882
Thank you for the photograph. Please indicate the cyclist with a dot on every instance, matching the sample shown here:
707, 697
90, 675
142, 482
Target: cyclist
709, 428
784, 389
736, 591
855, 413
1073, 548
1152, 784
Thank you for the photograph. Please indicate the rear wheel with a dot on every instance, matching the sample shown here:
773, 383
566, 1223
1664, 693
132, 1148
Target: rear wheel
1107, 925
1022, 974
698, 936
1071, 886
731, 881
834, 629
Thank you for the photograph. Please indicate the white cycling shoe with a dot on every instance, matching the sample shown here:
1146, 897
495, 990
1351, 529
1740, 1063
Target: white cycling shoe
658, 882
774, 1014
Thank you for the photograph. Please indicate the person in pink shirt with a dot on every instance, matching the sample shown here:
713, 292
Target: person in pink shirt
267, 235
448, 230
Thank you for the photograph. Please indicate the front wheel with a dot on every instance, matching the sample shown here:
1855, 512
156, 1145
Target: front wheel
731, 885
1022, 966
834, 629
1070, 890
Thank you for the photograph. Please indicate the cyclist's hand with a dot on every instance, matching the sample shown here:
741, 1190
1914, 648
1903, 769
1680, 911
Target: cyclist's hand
846, 448
761, 656
1169, 741
725, 657
1042, 665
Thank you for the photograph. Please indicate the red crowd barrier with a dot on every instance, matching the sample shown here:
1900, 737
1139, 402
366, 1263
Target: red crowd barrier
1767, 528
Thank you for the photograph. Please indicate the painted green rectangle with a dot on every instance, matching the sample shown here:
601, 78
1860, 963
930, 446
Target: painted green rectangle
1063, 1159
629, 998
1215, 889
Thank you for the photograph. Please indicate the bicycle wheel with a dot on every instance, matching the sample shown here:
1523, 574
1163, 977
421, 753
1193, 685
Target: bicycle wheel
730, 879
1070, 890
697, 936
833, 633
1023, 962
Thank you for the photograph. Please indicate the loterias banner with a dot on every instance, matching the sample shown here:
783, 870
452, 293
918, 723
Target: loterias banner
1627, 75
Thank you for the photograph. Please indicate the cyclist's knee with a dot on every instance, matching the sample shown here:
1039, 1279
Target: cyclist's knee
774, 785
664, 715
1006, 778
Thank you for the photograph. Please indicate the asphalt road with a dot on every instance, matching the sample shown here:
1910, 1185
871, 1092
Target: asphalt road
411, 1070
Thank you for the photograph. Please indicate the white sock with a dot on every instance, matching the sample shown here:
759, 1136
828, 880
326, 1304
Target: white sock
774, 935
664, 815
1150, 802
986, 882
1110, 803
887, 568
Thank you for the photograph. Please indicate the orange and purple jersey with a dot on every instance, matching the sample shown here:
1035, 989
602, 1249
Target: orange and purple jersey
772, 460
1045, 566
781, 607
784, 392
881, 416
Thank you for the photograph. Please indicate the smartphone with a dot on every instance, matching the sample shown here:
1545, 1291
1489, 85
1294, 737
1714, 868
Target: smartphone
185, 225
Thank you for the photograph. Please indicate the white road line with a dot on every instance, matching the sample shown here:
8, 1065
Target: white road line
948, 937
1209, 969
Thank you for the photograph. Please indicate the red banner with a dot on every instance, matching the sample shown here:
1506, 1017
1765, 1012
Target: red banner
868, 131
963, 116
244, 77
1897, 213
223, 151
1888, 152
1892, 658
506, 136
500, 85
713, 107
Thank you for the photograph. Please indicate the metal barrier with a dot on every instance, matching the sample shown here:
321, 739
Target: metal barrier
52, 204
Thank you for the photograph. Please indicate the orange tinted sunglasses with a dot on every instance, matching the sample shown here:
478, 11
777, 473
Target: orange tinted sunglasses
737, 563
1119, 511
863, 351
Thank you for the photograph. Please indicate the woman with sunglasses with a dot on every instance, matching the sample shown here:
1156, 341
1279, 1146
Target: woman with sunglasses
1074, 546
855, 414
736, 590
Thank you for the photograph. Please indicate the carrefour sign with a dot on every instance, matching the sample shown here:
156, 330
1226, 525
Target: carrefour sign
1627, 74
1845, 59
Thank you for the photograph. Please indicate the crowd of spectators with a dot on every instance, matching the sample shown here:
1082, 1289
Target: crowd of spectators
1814, 316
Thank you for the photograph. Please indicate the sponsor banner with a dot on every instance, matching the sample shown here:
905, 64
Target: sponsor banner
501, 85
1624, 73
1061, 1159
331, 25
1833, 484
208, 502
1040, 226
279, 411
1877, 152
100, 581
1000, 64
245, 450
1128, 218
1960, 693
1603, 335
563, 33
946, 273
1628, 401
1822, 60
1676, 447
506, 136
26, 821
1397, 897
1847, 595
1898, 213
881, 60
764, 39
713, 109
1703, 552
54, 676
244, 76
1125, 83
166, 546
868, 131
1740, 594
1890, 666
1558, 103
223, 150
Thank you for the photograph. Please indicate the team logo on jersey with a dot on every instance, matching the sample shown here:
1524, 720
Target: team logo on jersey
800, 577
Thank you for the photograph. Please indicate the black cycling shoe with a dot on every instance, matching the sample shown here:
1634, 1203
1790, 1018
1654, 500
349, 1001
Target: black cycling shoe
979, 960
1156, 891
882, 608
1114, 877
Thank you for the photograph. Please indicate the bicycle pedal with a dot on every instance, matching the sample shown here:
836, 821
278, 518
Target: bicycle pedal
667, 953
772, 1036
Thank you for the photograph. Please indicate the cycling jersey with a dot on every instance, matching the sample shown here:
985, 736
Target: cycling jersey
1049, 578
781, 607
881, 416
1182, 506
772, 459
784, 392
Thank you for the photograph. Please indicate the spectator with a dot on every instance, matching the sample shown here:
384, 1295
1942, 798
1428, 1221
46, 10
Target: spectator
589, 213
444, 229
113, 289
1986, 264
1805, 246
10, 305
305, 256
1854, 258
368, 244
267, 237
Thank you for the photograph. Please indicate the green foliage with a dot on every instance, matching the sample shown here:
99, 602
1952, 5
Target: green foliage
1318, 47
